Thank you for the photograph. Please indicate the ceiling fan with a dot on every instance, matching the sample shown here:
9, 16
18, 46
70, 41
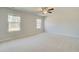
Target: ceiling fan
46, 10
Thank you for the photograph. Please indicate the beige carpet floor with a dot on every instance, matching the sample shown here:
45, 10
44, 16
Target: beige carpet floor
43, 42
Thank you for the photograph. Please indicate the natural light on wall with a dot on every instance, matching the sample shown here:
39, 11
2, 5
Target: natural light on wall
13, 23
38, 23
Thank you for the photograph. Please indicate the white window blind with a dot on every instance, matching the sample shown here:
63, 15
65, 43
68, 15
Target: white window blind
13, 23
38, 23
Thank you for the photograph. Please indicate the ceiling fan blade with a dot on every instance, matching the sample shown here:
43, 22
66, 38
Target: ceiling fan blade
51, 9
49, 12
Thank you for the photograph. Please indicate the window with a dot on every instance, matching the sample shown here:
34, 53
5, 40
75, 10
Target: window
38, 23
13, 23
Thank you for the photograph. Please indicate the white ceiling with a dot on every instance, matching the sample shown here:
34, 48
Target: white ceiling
35, 10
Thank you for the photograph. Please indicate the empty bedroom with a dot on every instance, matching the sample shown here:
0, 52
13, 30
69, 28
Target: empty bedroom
39, 29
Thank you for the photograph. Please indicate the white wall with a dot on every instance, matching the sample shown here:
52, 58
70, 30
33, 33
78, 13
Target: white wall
64, 21
28, 24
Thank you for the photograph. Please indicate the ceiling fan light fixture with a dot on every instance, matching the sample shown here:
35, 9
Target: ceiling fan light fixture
46, 10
